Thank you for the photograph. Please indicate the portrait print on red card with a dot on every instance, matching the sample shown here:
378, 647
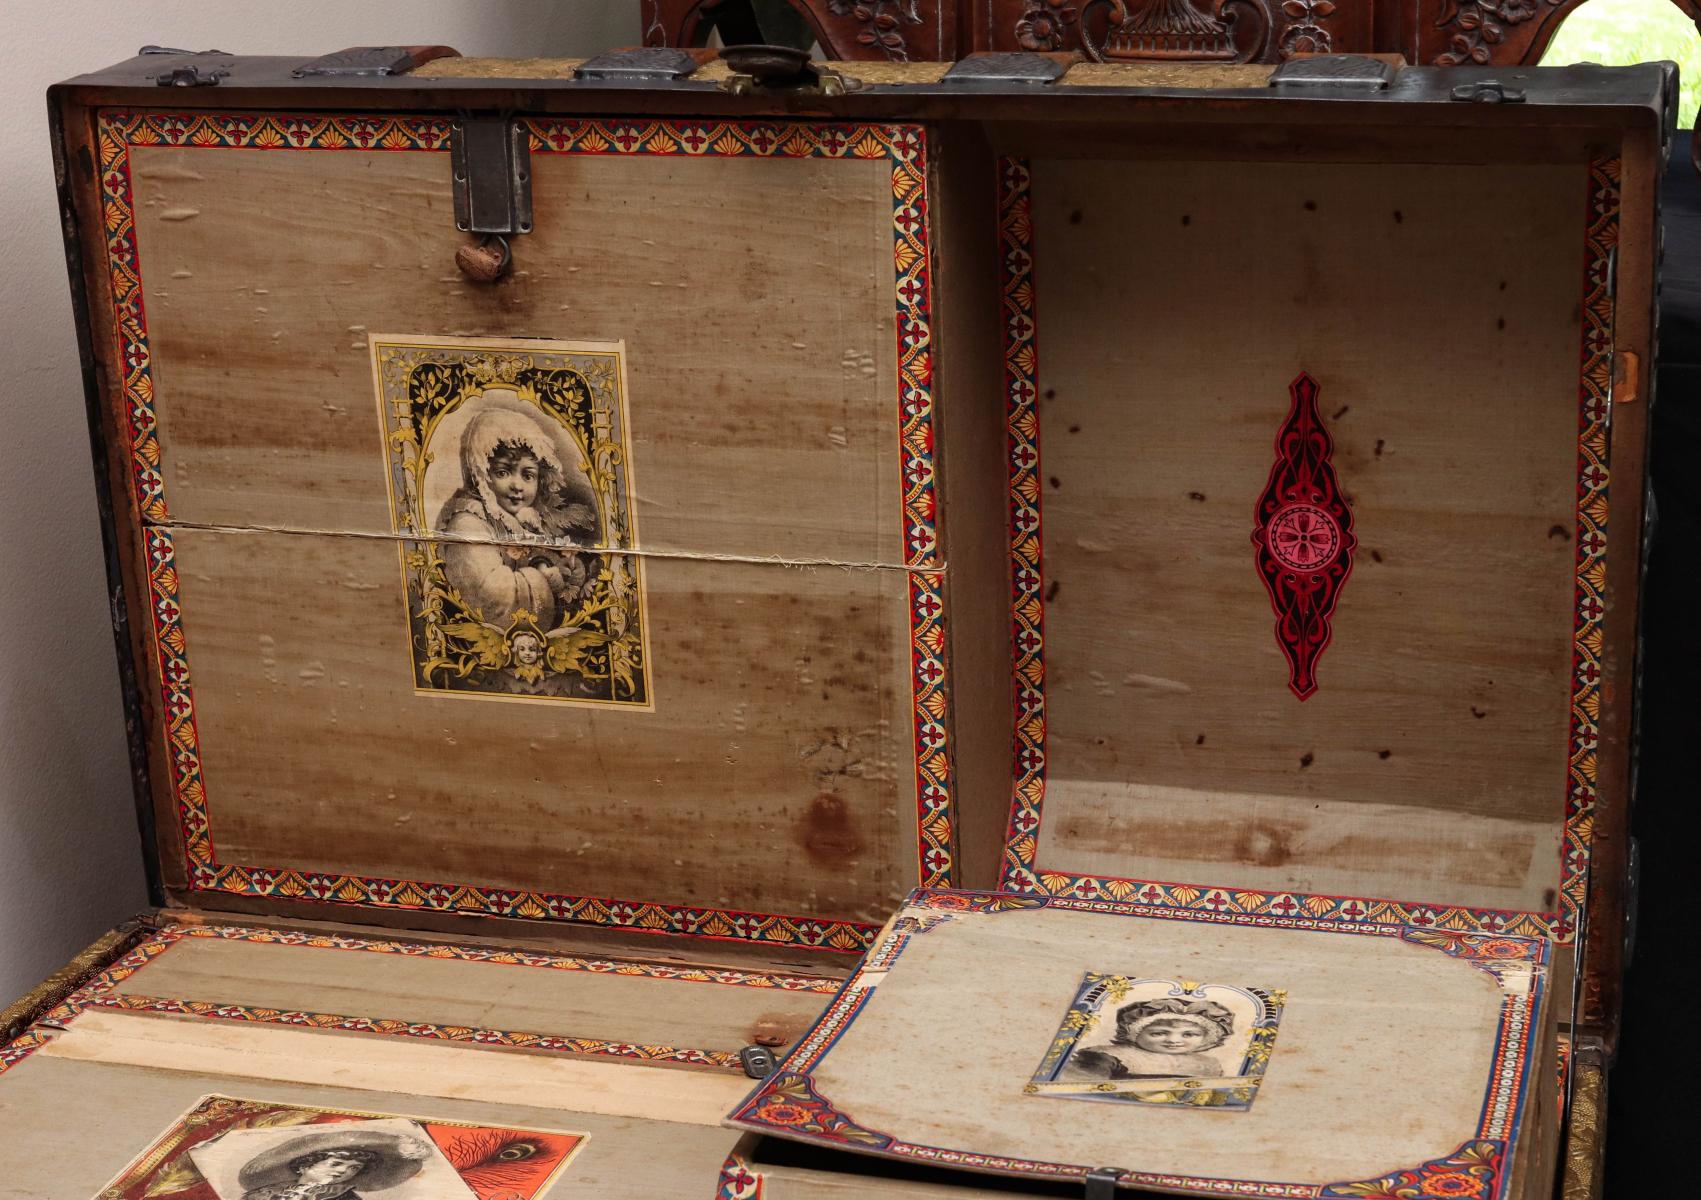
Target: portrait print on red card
231, 1149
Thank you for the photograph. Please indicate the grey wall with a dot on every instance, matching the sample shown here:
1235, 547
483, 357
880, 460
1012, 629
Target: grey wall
70, 857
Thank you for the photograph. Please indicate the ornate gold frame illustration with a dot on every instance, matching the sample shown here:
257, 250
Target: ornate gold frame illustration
592, 646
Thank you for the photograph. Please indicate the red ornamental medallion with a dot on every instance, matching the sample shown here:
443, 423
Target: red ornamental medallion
1304, 537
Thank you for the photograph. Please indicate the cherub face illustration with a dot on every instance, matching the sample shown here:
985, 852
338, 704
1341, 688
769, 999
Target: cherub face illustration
528, 650
1173, 1037
513, 478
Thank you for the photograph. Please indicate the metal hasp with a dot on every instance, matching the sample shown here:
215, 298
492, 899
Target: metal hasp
362, 60
1101, 1184
757, 69
1353, 72
190, 74
662, 64
1487, 91
491, 159
1020, 67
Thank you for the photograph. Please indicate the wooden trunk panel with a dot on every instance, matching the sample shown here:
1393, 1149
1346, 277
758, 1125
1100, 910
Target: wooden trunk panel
630, 1004
760, 330
48, 1153
1430, 764
781, 726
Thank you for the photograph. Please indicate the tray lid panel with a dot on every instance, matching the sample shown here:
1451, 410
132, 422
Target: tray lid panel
1401, 708
1193, 1055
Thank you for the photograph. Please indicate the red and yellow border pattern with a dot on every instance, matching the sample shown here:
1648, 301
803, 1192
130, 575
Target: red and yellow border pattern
903, 146
789, 1103
739, 1180
21, 1047
100, 993
1594, 410
1021, 871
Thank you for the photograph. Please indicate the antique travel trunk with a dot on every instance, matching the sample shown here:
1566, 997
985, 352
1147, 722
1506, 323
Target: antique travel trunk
1148, 555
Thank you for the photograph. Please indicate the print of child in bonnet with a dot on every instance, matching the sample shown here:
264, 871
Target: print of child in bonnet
515, 489
1160, 1039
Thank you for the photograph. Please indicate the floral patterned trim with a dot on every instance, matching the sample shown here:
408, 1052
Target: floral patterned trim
903, 146
789, 1103
1595, 405
739, 1180
21, 1047
1473, 1171
1021, 870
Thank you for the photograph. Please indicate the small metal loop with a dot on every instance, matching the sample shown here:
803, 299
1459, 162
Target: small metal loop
1101, 1184
507, 251
758, 1062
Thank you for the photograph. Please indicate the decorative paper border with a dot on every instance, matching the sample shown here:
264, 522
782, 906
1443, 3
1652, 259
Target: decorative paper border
1021, 871
1594, 414
903, 146
21, 1047
788, 1102
739, 1180
99, 993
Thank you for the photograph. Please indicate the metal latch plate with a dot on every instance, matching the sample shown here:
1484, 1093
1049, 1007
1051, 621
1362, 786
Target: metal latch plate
1020, 67
660, 63
359, 60
1355, 72
491, 159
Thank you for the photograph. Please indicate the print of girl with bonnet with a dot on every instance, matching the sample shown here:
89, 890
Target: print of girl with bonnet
516, 489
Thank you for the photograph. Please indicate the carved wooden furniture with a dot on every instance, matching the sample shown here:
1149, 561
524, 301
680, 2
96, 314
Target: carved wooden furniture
1438, 32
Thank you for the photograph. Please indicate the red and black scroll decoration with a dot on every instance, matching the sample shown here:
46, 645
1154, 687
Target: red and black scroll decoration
1304, 537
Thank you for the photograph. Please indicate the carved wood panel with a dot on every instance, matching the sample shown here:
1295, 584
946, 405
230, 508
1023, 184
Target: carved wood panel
892, 30
1438, 32
1460, 32
1183, 30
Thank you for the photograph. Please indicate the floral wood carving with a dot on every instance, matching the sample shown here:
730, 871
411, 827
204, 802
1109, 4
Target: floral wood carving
1305, 33
1304, 537
882, 21
1043, 22
1477, 26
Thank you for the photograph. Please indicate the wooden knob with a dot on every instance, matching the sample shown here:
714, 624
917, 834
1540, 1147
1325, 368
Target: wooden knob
483, 262
774, 1029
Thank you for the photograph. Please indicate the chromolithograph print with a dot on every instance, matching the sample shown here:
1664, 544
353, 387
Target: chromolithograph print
509, 473
230, 1149
1303, 537
1161, 1041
